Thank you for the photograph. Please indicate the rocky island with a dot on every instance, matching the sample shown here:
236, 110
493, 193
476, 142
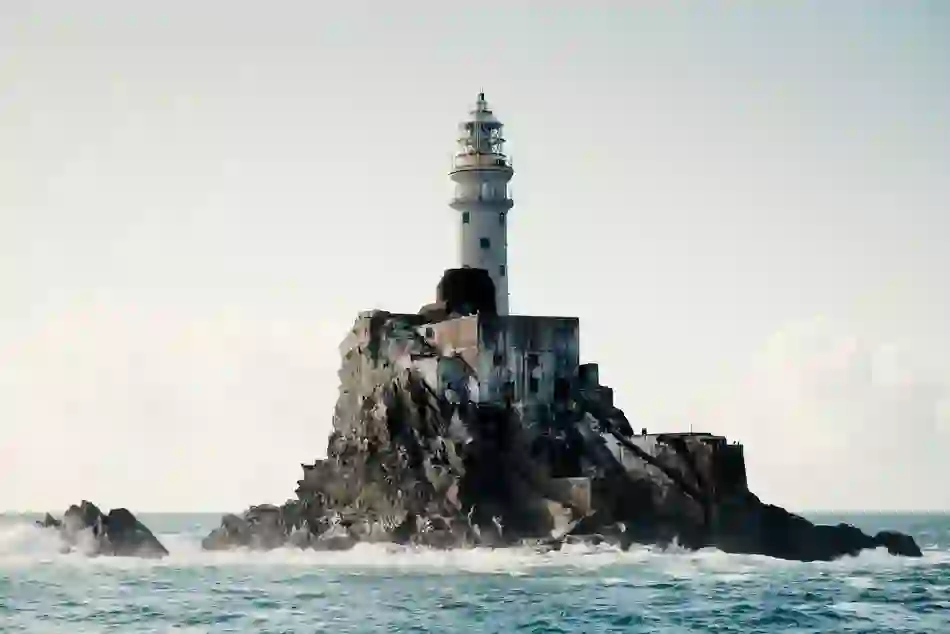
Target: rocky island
461, 425
86, 529
458, 427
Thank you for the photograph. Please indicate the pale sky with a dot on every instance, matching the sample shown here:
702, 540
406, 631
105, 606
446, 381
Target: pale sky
746, 203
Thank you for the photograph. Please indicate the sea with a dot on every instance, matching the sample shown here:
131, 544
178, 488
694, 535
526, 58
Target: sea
393, 589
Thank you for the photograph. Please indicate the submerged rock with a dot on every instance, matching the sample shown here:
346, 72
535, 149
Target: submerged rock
481, 430
85, 528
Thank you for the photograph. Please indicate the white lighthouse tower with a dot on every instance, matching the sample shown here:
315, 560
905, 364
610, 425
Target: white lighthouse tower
481, 172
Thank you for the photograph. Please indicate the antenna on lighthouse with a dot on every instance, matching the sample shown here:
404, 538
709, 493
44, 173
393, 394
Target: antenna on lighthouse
481, 172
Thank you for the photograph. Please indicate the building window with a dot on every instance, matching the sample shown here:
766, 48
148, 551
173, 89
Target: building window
533, 384
501, 219
484, 243
465, 218
499, 359
501, 270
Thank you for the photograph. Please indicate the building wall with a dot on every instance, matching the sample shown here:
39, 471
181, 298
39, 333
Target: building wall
720, 464
522, 357
361, 334
730, 469
645, 442
459, 335
516, 357
454, 337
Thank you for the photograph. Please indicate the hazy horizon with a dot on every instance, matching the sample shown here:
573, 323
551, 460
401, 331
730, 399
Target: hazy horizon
746, 204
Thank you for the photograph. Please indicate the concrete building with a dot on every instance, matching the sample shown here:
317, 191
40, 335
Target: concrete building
481, 173
488, 355
526, 361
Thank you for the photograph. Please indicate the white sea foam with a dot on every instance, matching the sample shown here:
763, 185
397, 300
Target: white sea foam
24, 544
21, 539
390, 588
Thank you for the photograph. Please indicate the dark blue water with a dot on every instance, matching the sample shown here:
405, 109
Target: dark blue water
376, 589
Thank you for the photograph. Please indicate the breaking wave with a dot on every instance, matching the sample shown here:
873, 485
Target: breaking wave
386, 588
24, 544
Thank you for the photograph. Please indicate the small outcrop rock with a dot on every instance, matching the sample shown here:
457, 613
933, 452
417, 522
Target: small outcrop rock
897, 543
119, 533
234, 532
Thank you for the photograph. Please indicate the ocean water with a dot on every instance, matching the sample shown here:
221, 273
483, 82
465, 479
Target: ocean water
379, 589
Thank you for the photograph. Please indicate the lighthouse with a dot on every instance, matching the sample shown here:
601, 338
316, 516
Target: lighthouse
481, 172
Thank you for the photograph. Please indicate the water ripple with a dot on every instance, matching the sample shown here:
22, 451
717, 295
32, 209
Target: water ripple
379, 589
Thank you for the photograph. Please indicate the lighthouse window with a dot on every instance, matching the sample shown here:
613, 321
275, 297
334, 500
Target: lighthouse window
465, 218
501, 270
501, 219
484, 243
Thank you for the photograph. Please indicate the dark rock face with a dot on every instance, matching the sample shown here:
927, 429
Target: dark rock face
411, 462
261, 527
749, 526
897, 543
119, 533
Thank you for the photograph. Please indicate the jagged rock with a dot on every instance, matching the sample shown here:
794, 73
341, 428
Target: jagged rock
749, 526
129, 537
301, 537
239, 532
419, 454
267, 526
84, 527
49, 522
334, 538
897, 543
